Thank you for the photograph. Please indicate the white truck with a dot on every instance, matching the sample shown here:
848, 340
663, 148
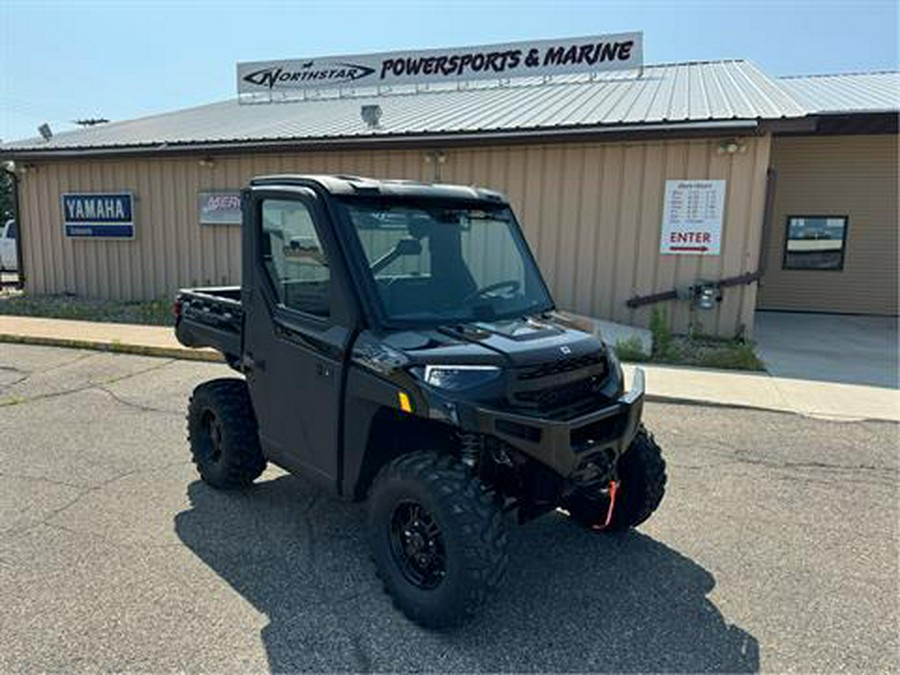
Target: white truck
9, 260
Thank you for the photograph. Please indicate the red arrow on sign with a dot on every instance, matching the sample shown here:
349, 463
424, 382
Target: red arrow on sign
700, 249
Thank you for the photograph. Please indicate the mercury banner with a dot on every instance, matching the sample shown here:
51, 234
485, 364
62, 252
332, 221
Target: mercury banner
622, 51
220, 207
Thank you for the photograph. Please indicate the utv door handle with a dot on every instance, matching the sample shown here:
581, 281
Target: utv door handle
249, 363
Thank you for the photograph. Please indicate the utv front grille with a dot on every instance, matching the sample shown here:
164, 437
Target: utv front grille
563, 395
559, 387
561, 366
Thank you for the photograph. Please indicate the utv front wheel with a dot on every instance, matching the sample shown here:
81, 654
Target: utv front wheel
642, 477
223, 434
438, 541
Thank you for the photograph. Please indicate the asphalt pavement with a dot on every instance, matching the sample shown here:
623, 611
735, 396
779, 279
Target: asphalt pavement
775, 549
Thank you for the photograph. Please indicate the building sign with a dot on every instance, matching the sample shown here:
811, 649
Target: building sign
693, 211
539, 58
99, 215
222, 207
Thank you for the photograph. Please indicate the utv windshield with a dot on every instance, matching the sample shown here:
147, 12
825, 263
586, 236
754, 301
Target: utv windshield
434, 264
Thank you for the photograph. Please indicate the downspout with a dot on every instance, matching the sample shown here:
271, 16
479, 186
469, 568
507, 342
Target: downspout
17, 216
768, 215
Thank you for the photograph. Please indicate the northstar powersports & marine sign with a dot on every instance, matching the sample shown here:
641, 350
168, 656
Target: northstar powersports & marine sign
541, 58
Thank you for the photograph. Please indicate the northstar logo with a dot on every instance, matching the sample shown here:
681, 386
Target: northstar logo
327, 73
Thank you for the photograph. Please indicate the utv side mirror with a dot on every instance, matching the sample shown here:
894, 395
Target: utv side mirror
305, 248
401, 248
408, 247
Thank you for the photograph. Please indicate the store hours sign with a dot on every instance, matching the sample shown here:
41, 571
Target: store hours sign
99, 215
693, 212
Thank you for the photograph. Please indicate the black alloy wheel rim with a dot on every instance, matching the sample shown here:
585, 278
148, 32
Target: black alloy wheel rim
417, 545
212, 431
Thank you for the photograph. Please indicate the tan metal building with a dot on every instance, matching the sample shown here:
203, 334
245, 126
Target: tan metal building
852, 179
585, 162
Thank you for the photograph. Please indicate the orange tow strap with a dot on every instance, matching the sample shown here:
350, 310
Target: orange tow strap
613, 489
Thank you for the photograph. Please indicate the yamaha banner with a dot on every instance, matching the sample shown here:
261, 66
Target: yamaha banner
541, 58
99, 215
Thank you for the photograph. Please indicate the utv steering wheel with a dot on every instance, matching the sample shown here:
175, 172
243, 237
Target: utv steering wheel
512, 284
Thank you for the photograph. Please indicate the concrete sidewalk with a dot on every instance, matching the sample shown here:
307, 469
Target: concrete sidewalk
825, 400
829, 347
664, 383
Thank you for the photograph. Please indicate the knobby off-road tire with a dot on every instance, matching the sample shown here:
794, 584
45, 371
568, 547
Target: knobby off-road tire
460, 529
223, 434
642, 476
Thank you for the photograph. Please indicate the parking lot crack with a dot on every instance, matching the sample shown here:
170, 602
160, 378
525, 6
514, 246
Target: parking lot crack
21, 400
128, 376
736, 455
21, 376
27, 374
142, 545
40, 479
85, 491
136, 406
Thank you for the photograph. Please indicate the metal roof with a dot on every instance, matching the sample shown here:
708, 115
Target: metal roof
851, 93
698, 94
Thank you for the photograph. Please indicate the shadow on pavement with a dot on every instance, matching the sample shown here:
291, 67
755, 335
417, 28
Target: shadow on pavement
573, 601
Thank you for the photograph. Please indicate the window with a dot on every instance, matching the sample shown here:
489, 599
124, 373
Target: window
11, 230
436, 262
815, 243
294, 258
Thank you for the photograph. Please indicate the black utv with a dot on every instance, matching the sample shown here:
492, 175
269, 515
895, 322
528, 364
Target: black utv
398, 344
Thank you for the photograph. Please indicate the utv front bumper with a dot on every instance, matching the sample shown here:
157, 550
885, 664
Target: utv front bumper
567, 446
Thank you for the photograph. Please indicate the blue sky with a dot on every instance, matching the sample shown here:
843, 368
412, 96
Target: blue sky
65, 60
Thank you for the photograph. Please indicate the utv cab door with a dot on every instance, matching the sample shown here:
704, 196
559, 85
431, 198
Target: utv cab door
297, 316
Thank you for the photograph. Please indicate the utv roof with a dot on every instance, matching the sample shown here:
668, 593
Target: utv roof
362, 187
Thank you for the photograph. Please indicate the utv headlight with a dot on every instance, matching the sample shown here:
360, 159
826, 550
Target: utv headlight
456, 378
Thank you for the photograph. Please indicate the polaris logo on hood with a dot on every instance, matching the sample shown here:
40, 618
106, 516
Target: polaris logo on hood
328, 73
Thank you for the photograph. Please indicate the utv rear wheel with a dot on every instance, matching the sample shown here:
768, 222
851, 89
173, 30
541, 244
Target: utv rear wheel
438, 541
223, 434
642, 476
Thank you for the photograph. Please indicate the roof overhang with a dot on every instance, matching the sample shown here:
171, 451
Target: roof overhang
879, 122
619, 132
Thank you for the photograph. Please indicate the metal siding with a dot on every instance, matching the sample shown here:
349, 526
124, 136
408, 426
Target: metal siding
609, 211
586, 237
646, 254
856, 176
628, 231
590, 211
753, 230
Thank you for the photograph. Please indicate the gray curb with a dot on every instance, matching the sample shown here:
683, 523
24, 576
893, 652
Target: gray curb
116, 347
